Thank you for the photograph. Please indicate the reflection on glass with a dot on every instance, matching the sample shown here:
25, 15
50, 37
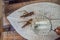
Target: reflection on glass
41, 25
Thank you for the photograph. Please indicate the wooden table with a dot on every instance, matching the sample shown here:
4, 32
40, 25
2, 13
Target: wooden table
12, 7
11, 35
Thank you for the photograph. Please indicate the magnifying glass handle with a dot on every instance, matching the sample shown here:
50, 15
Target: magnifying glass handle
57, 30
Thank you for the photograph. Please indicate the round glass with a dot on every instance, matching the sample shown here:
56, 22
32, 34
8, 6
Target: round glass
41, 25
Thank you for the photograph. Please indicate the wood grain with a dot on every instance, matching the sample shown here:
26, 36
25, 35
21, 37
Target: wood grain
11, 35
1, 29
13, 7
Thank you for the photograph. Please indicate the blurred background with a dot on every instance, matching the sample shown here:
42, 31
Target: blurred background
6, 8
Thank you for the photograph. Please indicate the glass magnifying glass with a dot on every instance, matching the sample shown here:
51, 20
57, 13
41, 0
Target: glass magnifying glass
42, 25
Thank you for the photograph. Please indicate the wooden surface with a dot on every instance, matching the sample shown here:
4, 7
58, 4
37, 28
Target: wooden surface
10, 8
1, 29
1, 13
11, 35
13, 7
